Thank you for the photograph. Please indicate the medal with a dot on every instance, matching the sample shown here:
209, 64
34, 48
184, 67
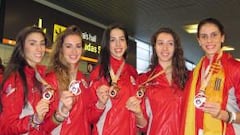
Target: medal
74, 87
199, 100
47, 92
47, 95
113, 90
47, 89
141, 92
142, 89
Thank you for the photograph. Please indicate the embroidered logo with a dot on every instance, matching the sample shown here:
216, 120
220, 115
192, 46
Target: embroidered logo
133, 81
84, 82
10, 90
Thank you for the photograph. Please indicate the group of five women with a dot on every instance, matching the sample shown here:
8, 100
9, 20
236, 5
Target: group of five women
115, 100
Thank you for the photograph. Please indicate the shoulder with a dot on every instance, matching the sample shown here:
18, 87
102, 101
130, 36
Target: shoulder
143, 76
95, 73
51, 74
42, 69
231, 64
131, 70
12, 82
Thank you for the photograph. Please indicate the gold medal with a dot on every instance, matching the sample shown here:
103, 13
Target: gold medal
114, 89
141, 92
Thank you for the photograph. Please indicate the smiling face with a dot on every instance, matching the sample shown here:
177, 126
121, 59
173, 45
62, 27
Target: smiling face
210, 39
164, 47
118, 43
34, 48
72, 49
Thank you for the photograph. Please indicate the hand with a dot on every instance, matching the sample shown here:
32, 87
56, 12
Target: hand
67, 100
133, 104
42, 108
103, 96
212, 108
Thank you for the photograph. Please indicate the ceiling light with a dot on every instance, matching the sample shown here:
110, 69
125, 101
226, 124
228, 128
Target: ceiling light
228, 48
191, 28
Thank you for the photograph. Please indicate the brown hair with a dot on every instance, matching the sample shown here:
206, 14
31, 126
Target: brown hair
179, 69
58, 62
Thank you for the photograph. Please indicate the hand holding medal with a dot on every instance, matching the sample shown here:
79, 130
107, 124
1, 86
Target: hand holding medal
142, 88
47, 89
214, 67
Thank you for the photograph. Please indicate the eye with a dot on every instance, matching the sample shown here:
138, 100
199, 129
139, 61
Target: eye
171, 43
112, 39
203, 36
43, 43
214, 35
67, 45
32, 43
79, 46
160, 43
122, 39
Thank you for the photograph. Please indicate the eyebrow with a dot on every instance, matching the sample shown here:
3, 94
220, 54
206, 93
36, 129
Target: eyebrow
164, 40
210, 33
33, 40
117, 36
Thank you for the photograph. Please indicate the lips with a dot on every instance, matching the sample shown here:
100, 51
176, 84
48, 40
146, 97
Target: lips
118, 50
39, 55
210, 46
164, 53
73, 57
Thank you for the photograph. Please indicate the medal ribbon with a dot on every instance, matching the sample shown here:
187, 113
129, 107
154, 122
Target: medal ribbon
152, 76
47, 94
40, 79
119, 71
206, 75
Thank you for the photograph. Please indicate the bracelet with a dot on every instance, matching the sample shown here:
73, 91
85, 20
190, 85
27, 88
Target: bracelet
35, 120
234, 117
229, 117
56, 119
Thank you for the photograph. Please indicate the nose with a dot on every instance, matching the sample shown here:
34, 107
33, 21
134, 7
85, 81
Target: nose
40, 47
165, 46
118, 42
209, 38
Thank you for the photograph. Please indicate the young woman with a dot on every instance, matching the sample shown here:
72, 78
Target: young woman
70, 84
162, 87
212, 98
22, 108
115, 79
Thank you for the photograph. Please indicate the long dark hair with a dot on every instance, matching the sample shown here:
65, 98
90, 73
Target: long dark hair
178, 64
104, 59
17, 61
58, 62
